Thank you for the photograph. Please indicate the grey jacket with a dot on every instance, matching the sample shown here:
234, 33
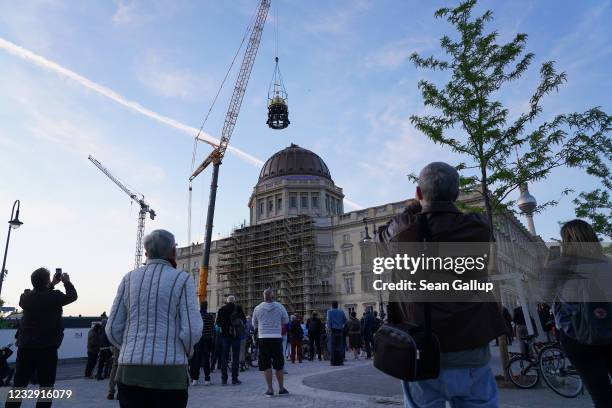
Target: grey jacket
155, 319
268, 318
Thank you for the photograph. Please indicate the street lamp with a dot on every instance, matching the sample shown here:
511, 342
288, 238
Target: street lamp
368, 239
14, 223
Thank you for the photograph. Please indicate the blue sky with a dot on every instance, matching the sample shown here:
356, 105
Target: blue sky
351, 92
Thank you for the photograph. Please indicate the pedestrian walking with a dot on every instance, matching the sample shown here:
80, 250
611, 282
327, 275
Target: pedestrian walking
268, 318
93, 348
335, 321
296, 336
217, 348
41, 332
584, 319
232, 321
315, 328
155, 322
464, 330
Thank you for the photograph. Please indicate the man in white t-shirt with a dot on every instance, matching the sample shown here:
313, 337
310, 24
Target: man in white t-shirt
268, 318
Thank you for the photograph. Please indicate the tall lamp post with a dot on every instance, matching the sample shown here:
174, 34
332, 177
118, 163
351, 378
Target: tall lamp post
368, 239
14, 223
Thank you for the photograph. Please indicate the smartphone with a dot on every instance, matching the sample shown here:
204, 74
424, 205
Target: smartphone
58, 273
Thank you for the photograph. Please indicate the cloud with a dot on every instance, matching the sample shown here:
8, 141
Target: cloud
337, 21
156, 73
36, 59
394, 54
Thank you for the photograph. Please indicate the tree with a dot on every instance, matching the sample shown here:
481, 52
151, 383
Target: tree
502, 154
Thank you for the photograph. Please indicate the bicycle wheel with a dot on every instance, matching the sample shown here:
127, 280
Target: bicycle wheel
523, 372
558, 372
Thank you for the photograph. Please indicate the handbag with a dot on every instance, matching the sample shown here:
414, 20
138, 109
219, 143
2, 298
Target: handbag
408, 351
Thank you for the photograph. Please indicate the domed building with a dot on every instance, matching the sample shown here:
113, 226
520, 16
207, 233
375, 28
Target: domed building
292, 182
300, 242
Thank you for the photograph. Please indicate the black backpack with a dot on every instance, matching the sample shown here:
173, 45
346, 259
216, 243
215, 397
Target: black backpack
236, 327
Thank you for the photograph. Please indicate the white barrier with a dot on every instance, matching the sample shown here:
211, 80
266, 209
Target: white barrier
74, 344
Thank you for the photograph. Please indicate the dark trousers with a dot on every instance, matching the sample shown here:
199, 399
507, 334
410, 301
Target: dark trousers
296, 349
337, 347
92, 357
207, 350
314, 339
43, 363
594, 364
368, 346
105, 359
137, 397
227, 344
195, 362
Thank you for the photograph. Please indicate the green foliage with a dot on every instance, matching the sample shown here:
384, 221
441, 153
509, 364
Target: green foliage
471, 120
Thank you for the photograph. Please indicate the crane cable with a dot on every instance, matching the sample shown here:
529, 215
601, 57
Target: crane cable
195, 141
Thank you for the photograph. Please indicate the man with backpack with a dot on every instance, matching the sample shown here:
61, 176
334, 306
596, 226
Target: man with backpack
463, 329
232, 321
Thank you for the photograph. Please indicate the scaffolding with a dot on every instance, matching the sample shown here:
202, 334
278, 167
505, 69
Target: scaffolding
277, 254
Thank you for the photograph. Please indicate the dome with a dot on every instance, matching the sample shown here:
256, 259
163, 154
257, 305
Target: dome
294, 160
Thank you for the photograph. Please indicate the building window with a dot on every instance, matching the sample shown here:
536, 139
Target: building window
369, 308
325, 286
339, 206
368, 281
314, 200
261, 207
348, 284
350, 309
279, 204
347, 257
270, 206
292, 200
363, 234
304, 201
326, 202
346, 238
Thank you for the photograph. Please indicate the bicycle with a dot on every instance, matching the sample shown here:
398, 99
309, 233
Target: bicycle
550, 362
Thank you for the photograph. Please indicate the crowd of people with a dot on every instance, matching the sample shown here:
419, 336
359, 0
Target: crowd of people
158, 337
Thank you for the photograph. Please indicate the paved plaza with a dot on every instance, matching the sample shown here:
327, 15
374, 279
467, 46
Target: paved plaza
312, 384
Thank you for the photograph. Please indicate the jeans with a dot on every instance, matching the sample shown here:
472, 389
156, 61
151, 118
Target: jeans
136, 397
461, 387
42, 362
594, 364
337, 346
227, 344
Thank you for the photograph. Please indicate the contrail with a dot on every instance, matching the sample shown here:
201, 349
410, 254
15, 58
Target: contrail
29, 56
41, 61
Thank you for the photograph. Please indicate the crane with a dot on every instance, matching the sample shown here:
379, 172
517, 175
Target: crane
142, 214
216, 156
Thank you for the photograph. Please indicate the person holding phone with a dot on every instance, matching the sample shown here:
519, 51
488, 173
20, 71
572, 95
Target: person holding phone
41, 331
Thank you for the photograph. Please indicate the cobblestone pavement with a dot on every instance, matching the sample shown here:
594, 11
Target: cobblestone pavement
312, 385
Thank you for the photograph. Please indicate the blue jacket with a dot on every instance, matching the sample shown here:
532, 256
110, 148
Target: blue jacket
335, 319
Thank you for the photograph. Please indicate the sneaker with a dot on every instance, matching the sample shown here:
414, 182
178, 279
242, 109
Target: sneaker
194, 382
269, 393
283, 392
236, 382
110, 396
